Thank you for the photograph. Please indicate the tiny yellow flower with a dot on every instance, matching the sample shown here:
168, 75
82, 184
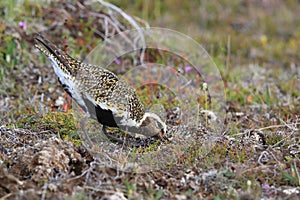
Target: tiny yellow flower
263, 40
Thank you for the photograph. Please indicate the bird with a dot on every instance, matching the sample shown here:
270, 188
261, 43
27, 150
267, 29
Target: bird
102, 95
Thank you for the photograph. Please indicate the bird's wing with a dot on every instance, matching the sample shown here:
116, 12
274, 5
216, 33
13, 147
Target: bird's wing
108, 91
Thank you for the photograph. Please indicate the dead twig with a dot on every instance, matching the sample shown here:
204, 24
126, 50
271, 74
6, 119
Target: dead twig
279, 126
140, 37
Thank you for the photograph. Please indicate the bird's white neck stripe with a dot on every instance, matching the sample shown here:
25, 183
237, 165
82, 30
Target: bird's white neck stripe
155, 116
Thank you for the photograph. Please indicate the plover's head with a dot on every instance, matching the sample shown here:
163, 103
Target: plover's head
152, 125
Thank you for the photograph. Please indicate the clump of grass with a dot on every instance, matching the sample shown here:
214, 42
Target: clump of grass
131, 190
293, 177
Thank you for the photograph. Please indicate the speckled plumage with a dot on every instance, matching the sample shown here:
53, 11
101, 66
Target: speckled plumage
105, 87
100, 92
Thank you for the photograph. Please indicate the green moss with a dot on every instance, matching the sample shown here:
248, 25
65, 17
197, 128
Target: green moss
58, 122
